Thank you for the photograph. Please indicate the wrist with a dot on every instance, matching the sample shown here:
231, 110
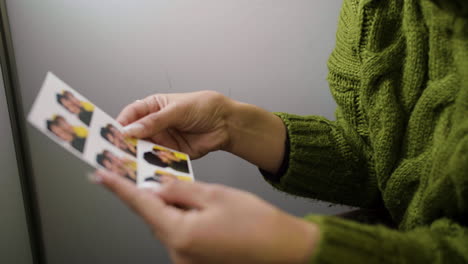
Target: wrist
255, 135
309, 241
298, 240
235, 119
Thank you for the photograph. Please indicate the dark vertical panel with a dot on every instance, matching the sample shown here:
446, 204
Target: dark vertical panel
14, 240
17, 182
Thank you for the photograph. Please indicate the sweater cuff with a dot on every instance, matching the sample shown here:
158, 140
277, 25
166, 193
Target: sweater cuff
318, 161
344, 241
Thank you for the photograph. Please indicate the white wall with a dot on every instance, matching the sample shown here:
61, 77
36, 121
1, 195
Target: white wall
14, 238
268, 52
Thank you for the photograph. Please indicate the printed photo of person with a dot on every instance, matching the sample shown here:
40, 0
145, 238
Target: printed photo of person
159, 173
116, 138
84, 110
164, 158
122, 166
75, 135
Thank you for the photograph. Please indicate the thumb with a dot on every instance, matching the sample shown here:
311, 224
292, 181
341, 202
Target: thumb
154, 123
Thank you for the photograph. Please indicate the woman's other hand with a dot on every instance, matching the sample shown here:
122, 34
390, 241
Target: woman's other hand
201, 122
218, 224
194, 123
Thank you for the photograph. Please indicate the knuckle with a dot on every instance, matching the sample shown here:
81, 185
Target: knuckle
172, 184
153, 118
215, 191
210, 92
155, 101
217, 96
146, 123
151, 100
169, 187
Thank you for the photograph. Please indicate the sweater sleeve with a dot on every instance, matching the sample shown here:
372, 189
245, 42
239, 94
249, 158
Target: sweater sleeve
328, 160
325, 162
344, 241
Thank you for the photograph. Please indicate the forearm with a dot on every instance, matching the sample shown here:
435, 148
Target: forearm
256, 135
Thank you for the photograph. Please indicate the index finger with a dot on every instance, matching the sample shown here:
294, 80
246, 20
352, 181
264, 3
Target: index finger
151, 208
137, 110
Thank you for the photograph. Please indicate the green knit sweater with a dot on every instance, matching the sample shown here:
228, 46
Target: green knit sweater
399, 74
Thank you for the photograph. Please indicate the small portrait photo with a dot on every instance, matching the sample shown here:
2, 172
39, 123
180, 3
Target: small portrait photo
83, 110
75, 135
122, 166
159, 173
165, 158
116, 138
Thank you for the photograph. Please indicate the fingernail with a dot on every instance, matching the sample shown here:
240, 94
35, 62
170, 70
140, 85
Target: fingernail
133, 129
94, 178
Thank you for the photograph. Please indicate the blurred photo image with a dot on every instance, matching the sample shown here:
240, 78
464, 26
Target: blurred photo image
84, 110
116, 138
74, 135
122, 166
160, 173
166, 158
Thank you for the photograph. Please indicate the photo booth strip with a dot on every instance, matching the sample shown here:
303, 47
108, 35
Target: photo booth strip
170, 163
82, 128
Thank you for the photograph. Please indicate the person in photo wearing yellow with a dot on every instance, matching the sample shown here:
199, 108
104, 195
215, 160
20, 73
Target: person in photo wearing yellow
164, 158
122, 166
75, 135
84, 110
116, 138
160, 173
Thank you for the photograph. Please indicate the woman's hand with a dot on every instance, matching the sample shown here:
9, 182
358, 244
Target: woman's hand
218, 224
194, 123
200, 122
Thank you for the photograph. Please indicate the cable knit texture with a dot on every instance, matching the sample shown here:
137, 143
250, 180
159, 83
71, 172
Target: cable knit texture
399, 74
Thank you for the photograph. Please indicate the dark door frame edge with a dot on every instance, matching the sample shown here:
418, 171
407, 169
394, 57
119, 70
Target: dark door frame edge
18, 127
